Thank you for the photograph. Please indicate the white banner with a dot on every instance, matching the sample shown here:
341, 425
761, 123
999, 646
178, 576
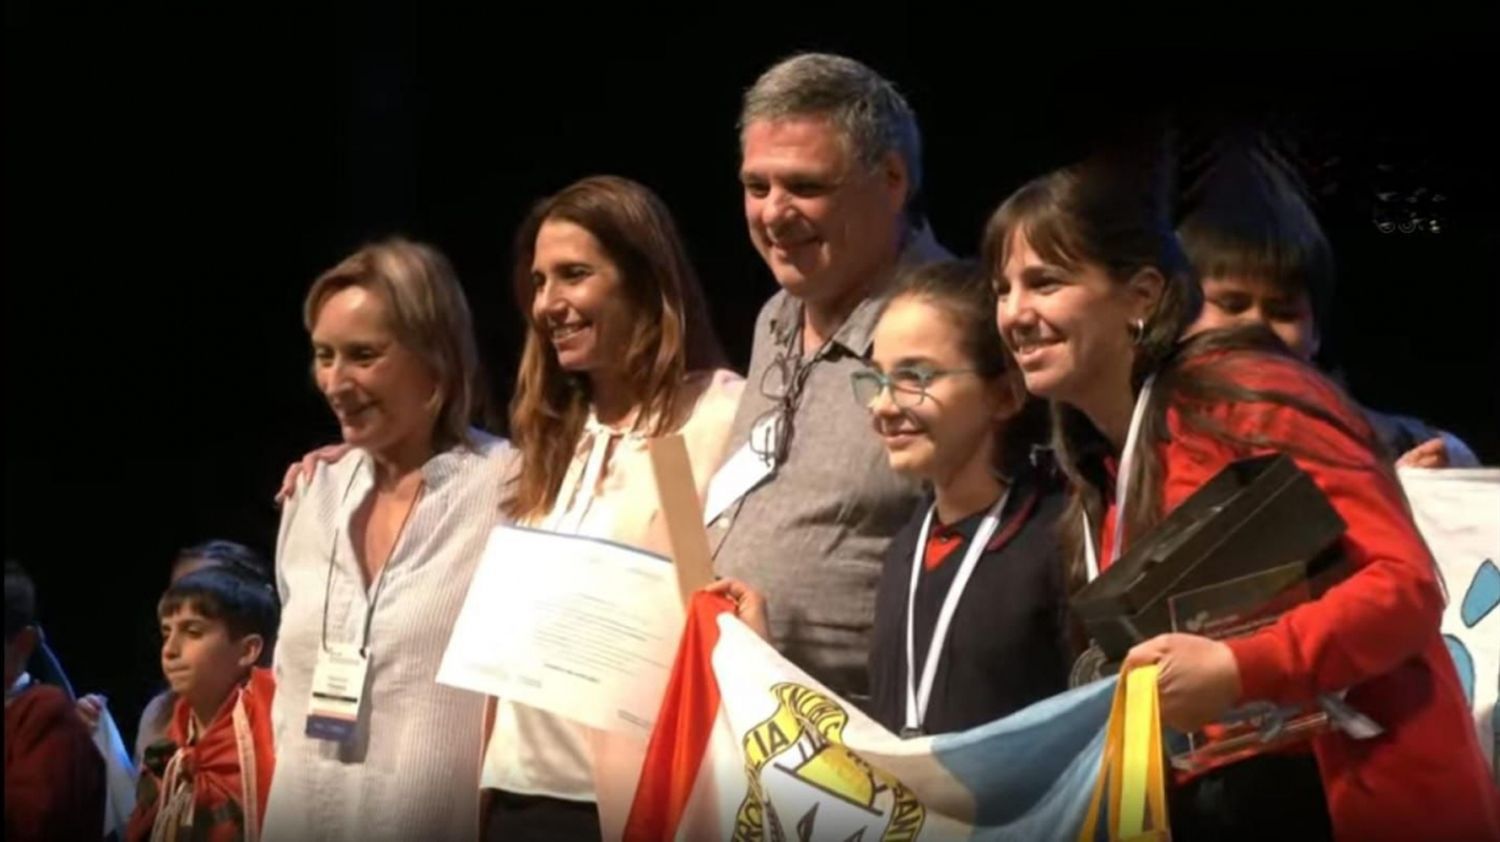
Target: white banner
750, 747
1458, 512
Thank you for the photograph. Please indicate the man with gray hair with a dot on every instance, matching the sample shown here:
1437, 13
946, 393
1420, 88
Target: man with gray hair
805, 504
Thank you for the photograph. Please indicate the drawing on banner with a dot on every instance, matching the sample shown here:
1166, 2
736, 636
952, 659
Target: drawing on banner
1455, 511
804, 784
1480, 599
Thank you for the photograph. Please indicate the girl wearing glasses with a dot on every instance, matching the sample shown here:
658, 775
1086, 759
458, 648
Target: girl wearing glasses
970, 606
1093, 297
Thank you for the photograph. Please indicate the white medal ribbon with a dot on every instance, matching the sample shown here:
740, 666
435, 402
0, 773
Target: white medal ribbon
1122, 487
918, 696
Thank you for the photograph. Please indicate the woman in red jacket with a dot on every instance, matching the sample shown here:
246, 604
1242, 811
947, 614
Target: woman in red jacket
1093, 295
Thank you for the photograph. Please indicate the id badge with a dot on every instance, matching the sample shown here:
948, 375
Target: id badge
742, 472
338, 688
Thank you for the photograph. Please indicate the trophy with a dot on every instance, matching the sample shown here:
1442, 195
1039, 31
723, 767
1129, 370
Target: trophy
1254, 542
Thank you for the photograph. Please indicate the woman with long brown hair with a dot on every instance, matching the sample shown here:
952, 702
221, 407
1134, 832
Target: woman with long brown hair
618, 350
1093, 294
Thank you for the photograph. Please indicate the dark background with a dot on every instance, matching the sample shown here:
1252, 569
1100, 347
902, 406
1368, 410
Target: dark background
174, 179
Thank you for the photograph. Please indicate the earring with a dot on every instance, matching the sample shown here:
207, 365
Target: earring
1137, 331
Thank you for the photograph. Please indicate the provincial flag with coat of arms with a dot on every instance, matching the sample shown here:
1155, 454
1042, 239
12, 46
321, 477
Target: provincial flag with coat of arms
749, 747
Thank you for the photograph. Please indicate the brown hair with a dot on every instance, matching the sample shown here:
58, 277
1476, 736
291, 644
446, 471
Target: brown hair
1100, 214
962, 291
1247, 216
429, 315
671, 335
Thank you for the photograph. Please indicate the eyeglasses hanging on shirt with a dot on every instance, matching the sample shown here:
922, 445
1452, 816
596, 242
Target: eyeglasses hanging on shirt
782, 382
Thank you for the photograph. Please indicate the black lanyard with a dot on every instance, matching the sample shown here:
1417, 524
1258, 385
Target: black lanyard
364, 643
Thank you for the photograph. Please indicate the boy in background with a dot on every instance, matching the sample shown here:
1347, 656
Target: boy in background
54, 777
208, 778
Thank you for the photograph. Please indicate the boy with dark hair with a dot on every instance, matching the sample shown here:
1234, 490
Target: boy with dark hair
54, 777
1263, 259
157, 714
211, 773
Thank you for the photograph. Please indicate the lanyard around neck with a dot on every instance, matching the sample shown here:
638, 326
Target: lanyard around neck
364, 637
1122, 487
918, 695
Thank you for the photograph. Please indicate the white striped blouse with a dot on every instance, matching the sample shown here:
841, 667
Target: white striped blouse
411, 770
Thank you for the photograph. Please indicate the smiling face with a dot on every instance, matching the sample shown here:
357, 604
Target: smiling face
946, 419
381, 392
579, 300
824, 223
1069, 328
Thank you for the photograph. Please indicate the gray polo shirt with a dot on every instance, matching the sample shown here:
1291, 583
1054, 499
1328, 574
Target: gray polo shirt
812, 537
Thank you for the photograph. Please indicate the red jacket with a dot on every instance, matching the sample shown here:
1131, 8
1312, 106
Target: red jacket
1376, 633
54, 777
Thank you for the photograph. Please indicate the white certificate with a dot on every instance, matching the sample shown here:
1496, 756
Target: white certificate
580, 627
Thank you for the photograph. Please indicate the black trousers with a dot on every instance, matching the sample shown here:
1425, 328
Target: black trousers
512, 817
1270, 796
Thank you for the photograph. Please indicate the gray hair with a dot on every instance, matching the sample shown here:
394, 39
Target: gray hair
864, 105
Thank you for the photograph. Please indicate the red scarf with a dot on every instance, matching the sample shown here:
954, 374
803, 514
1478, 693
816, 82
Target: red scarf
210, 785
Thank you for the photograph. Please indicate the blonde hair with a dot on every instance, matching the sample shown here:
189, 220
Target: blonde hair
429, 315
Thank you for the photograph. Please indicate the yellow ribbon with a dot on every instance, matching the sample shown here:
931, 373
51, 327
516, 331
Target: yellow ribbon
1131, 768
